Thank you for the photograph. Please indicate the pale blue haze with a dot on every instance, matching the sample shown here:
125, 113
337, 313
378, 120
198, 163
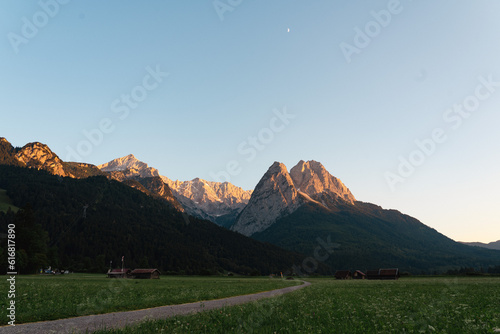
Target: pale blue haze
226, 78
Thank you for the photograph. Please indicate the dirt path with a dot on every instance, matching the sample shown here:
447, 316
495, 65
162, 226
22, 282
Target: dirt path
121, 319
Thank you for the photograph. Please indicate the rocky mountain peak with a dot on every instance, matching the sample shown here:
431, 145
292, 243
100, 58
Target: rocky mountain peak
312, 178
231, 194
274, 197
201, 198
40, 156
277, 167
210, 200
280, 193
130, 167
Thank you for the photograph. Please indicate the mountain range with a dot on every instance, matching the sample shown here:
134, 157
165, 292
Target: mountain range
81, 223
214, 201
491, 245
300, 211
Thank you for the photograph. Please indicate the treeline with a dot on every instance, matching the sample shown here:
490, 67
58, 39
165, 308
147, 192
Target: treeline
83, 224
30, 242
474, 271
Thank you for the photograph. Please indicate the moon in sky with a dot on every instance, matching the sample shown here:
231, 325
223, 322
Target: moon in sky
288, 30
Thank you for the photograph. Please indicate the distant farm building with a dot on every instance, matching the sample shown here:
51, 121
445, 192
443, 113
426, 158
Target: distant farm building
119, 273
389, 273
145, 273
359, 275
372, 274
385, 274
342, 274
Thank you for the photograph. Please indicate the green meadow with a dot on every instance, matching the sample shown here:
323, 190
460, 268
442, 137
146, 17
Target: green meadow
410, 305
50, 297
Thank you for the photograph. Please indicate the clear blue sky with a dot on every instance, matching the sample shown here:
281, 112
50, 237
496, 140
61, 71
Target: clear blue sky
226, 78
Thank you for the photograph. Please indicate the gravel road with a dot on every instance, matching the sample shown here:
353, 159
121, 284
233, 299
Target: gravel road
121, 319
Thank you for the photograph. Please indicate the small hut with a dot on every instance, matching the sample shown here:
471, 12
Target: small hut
119, 273
384, 274
389, 273
343, 274
358, 274
145, 273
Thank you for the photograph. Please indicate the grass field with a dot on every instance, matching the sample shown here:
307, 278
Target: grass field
410, 305
5, 202
63, 296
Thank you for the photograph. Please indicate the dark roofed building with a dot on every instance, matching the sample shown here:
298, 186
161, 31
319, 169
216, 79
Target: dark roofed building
119, 273
372, 274
358, 274
342, 274
389, 273
383, 274
145, 273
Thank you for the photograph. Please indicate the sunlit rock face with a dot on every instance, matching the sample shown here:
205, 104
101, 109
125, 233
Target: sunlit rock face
38, 155
128, 167
313, 179
274, 196
200, 198
280, 193
210, 200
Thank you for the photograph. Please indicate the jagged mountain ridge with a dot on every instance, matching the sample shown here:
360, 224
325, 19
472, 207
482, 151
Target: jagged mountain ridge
214, 201
128, 167
280, 193
39, 156
313, 179
139, 175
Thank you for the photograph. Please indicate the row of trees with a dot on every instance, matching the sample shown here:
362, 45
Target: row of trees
31, 241
473, 271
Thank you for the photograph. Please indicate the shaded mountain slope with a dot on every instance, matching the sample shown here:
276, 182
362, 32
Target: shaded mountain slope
369, 237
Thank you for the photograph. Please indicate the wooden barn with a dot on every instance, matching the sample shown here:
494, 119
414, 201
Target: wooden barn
372, 274
358, 274
385, 274
389, 273
119, 273
145, 273
343, 274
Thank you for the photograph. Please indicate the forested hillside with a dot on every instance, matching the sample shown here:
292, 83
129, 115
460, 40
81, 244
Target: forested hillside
369, 237
82, 224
